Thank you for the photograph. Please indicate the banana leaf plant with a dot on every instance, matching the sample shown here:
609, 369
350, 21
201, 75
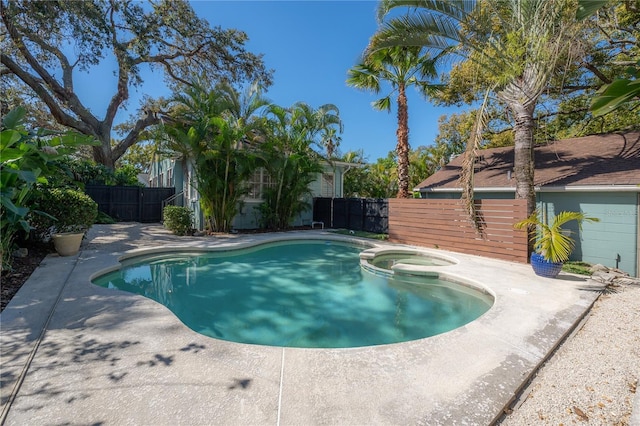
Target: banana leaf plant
551, 241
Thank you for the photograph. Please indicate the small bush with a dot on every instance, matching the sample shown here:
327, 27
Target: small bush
178, 219
62, 210
105, 219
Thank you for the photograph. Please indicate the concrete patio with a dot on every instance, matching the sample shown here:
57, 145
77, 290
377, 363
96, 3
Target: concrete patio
75, 353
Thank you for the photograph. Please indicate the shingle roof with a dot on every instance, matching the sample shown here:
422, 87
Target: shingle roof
610, 159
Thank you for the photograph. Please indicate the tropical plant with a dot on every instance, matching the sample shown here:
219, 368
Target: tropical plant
216, 130
178, 219
619, 92
27, 157
550, 240
515, 46
355, 180
402, 67
330, 126
163, 35
290, 161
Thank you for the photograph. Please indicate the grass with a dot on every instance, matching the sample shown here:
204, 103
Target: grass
581, 268
362, 234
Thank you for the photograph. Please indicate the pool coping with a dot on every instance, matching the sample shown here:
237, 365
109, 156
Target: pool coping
73, 352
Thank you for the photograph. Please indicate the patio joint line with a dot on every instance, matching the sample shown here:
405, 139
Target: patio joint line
36, 346
280, 391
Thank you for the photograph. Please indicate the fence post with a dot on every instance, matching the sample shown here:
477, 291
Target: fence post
140, 204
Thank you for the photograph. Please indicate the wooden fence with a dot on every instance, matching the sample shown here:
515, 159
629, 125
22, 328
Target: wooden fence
130, 203
444, 224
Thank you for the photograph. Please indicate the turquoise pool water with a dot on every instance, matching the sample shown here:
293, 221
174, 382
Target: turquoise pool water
310, 294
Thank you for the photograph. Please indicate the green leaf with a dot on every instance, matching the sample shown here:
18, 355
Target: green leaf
587, 8
11, 207
614, 95
9, 137
10, 154
13, 118
383, 104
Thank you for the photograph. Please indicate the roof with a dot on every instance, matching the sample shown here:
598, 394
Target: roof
597, 160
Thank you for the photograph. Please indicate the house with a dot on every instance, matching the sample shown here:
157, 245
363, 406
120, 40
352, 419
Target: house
598, 175
178, 173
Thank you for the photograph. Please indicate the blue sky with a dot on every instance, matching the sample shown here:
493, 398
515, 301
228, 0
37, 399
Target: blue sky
311, 45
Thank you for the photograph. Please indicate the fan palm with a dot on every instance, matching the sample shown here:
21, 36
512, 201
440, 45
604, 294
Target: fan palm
402, 67
515, 45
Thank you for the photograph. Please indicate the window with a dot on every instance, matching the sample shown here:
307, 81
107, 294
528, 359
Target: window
327, 188
258, 183
169, 178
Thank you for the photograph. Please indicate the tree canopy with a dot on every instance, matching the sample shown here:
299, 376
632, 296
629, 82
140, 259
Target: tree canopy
532, 61
45, 45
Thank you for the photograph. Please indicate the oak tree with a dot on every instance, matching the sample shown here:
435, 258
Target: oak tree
46, 44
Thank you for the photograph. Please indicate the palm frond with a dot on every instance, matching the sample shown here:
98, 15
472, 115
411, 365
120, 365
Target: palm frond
468, 164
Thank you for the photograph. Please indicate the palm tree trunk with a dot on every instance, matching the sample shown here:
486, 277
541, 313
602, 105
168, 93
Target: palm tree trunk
402, 148
523, 154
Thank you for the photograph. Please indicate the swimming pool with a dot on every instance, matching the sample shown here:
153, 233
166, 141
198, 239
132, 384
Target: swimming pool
310, 293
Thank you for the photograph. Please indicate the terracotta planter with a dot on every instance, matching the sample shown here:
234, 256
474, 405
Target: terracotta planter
67, 243
543, 267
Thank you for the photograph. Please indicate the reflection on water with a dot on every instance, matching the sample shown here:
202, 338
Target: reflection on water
298, 294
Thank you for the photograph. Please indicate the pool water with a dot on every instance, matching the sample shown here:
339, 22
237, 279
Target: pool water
310, 294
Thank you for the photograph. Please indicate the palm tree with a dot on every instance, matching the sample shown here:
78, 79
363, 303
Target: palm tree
515, 44
213, 128
401, 66
289, 159
330, 125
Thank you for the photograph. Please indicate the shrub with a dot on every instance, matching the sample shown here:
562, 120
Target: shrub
62, 210
177, 219
104, 218
26, 157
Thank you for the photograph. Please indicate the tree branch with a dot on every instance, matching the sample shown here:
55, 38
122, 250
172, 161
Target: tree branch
123, 78
149, 119
596, 72
57, 112
67, 69
555, 113
67, 97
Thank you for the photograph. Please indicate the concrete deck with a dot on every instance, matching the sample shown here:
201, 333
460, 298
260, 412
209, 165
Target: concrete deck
74, 353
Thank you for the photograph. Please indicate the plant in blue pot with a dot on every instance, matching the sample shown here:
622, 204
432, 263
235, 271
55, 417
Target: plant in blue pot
552, 244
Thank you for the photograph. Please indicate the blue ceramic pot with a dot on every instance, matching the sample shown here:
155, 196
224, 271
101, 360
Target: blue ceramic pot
545, 268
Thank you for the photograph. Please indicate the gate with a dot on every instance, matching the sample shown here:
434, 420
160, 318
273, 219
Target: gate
358, 214
130, 203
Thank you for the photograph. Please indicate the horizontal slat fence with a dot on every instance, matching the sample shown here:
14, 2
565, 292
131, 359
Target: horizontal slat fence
444, 224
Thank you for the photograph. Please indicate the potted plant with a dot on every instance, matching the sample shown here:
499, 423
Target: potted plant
64, 215
552, 244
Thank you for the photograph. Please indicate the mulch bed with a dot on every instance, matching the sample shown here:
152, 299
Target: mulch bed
21, 270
